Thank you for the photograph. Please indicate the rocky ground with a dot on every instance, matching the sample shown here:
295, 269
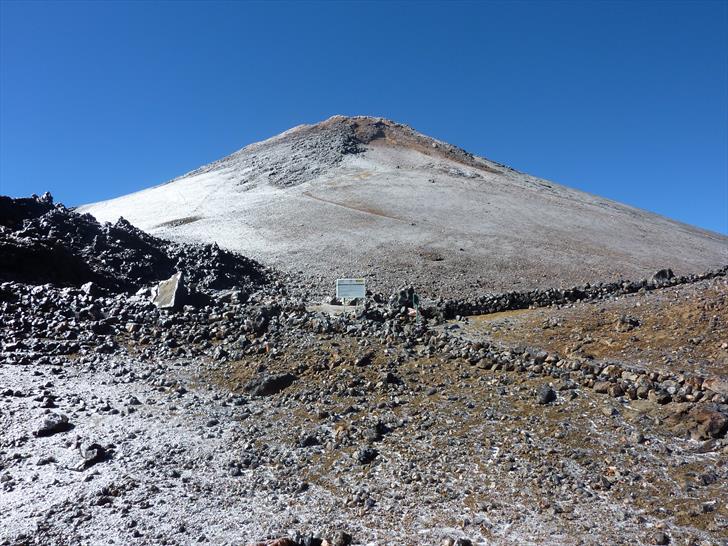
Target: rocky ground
681, 328
237, 416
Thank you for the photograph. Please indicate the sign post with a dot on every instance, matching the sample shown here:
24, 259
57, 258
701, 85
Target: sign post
349, 289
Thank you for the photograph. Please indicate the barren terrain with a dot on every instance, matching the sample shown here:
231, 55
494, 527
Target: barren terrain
683, 329
555, 373
374, 439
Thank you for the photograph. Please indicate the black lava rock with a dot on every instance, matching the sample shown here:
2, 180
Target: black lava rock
43, 243
366, 455
545, 395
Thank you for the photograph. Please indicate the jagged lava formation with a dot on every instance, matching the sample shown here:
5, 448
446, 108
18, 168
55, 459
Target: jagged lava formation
41, 242
370, 197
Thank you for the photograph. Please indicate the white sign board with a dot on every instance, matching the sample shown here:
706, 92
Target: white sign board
348, 289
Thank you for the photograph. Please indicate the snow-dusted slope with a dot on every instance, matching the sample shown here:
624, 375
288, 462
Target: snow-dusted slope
369, 197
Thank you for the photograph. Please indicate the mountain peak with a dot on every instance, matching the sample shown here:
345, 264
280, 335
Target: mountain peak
364, 195
307, 151
354, 134
363, 129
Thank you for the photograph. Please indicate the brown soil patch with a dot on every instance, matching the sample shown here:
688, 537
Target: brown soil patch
681, 328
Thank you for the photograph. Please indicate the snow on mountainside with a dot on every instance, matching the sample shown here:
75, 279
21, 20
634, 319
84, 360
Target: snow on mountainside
370, 197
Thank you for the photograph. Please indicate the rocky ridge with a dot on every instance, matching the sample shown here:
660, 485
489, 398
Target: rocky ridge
45, 243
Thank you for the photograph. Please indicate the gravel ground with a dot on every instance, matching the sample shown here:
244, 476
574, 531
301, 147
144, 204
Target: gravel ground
412, 452
250, 416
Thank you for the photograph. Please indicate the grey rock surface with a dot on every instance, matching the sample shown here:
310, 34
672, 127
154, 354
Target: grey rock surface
170, 293
51, 424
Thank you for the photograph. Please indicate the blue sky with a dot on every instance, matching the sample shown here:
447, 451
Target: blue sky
628, 100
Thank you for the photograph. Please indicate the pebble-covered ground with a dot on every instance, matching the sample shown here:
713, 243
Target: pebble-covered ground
249, 416
384, 448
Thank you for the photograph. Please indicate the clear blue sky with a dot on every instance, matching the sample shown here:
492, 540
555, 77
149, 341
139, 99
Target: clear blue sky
628, 100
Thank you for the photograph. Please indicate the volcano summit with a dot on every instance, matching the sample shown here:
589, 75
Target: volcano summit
370, 197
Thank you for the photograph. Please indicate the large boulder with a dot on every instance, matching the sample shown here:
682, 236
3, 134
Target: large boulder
270, 384
662, 276
702, 421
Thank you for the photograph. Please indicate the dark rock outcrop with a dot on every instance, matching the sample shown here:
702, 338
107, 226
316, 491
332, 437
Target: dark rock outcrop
42, 243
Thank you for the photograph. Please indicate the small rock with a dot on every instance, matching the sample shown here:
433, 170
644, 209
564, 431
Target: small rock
545, 395
277, 542
53, 423
615, 391
342, 538
661, 276
601, 387
711, 421
310, 540
659, 397
309, 440
365, 359
94, 453
45, 460
366, 455
90, 289
627, 323
170, 293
